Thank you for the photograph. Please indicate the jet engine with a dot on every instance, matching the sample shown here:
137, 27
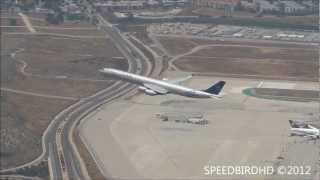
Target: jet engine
150, 92
141, 88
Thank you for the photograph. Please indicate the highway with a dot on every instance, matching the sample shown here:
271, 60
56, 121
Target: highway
64, 159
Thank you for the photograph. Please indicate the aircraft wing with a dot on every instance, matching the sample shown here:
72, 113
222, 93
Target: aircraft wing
304, 134
178, 80
156, 88
310, 136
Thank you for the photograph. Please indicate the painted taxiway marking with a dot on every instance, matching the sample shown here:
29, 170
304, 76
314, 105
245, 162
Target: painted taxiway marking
260, 84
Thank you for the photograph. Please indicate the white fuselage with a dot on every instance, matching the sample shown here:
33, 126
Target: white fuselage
312, 131
172, 88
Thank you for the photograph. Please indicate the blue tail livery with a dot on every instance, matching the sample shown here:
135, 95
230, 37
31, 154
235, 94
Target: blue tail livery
216, 88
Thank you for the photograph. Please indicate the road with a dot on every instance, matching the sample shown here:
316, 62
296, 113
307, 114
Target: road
54, 34
38, 94
65, 162
27, 22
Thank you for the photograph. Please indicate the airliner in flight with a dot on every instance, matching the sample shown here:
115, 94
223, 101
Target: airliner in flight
160, 87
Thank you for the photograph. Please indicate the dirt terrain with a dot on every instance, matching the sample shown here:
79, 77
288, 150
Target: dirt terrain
81, 58
6, 26
176, 46
81, 31
23, 119
42, 75
74, 71
5, 20
284, 94
179, 45
250, 59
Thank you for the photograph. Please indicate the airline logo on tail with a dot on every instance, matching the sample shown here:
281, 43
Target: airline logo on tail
216, 88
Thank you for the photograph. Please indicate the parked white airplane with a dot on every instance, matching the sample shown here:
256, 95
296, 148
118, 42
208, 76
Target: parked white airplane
160, 87
305, 130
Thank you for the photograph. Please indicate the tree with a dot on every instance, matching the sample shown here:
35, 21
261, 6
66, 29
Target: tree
27, 5
55, 18
13, 22
52, 4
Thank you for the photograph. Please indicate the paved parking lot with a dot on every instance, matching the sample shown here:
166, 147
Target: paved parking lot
228, 31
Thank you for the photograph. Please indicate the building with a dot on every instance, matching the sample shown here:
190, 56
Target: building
24, 1
174, 2
291, 7
279, 6
227, 5
248, 5
153, 3
72, 11
267, 6
215, 4
121, 5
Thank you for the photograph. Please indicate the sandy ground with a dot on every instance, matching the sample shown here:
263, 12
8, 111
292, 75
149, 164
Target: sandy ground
42, 75
23, 120
271, 60
128, 141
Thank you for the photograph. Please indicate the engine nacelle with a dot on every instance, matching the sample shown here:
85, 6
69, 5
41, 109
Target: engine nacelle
150, 92
141, 88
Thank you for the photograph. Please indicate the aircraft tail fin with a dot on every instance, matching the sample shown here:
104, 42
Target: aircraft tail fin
292, 124
216, 88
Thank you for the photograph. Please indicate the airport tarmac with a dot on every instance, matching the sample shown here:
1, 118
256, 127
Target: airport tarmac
128, 141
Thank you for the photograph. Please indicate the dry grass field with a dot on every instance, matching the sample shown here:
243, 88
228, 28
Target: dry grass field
250, 59
80, 58
44, 67
176, 46
23, 120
